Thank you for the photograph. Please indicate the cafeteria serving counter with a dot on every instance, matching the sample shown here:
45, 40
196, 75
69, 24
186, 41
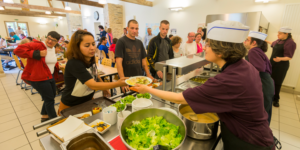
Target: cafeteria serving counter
48, 143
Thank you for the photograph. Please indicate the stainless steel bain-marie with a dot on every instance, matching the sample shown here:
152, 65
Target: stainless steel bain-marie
89, 140
200, 131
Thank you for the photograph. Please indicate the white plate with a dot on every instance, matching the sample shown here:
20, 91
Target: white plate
95, 123
126, 81
81, 114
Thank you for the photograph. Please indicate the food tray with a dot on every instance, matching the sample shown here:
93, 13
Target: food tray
84, 107
95, 123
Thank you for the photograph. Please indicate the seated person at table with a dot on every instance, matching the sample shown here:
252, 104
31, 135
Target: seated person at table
102, 46
2, 43
81, 77
131, 55
14, 37
22, 36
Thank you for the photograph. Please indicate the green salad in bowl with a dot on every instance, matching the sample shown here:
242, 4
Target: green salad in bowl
152, 131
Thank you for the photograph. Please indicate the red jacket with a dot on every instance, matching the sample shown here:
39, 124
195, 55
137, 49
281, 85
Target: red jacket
36, 68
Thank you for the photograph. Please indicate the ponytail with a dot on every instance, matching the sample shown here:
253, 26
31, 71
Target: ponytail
264, 46
290, 36
260, 44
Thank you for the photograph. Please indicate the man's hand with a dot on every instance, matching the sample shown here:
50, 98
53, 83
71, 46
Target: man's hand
150, 76
277, 59
125, 89
106, 93
142, 88
121, 81
43, 53
159, 74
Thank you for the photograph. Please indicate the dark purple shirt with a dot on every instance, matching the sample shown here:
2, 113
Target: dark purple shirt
289, 47
259, 60
236, 96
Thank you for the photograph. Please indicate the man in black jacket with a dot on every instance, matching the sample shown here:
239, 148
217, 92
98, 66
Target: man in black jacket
160, 48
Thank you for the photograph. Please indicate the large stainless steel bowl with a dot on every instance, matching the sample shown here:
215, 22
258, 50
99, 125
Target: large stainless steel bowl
151, 112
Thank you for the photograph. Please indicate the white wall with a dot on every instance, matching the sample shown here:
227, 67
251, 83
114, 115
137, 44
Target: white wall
87, 13
35, 28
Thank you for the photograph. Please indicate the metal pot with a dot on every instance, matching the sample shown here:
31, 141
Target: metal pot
196, 130
151, 112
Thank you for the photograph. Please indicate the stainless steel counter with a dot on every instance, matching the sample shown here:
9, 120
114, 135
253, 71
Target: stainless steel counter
190, 144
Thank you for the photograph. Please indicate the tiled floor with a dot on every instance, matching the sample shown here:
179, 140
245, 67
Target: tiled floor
19, 111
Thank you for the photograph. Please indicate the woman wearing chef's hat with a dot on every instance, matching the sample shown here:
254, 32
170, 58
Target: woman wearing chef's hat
235, 94
283, 51
257, 47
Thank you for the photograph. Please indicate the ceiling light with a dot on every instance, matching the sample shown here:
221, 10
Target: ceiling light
264, 1
60, 17
48, 12
176, 9
8, 1
1, 8
102, 2
68, 8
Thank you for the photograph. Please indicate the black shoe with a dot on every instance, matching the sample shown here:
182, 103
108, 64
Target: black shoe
44, 119
276, 104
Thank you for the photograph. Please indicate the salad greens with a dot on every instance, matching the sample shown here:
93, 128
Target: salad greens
146, 95
128, 99
145, 134
119, 106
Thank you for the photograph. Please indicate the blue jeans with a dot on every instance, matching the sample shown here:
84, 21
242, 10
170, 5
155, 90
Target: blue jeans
47, 90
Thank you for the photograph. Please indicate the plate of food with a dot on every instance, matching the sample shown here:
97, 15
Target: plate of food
138, 80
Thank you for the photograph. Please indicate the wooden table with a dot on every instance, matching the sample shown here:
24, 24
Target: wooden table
108, 71
9, 49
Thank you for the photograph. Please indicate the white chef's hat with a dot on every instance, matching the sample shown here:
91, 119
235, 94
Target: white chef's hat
258, 35
285, 29
227, 31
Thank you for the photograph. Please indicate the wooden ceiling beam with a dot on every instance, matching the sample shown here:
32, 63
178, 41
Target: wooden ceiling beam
39, 8
29, 13
139, 2
50, 5
84, 2
63, 4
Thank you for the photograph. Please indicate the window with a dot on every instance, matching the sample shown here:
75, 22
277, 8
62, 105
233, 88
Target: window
13, 26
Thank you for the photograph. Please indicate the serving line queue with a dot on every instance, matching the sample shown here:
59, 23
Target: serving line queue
240, 88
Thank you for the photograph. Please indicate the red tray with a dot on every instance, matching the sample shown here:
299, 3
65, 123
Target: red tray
117, 143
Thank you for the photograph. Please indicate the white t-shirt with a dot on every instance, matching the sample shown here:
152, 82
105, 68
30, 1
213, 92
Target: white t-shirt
50, 58
18, 32
190, 48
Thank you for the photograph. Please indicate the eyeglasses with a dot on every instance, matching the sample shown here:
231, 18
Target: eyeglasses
53, 40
